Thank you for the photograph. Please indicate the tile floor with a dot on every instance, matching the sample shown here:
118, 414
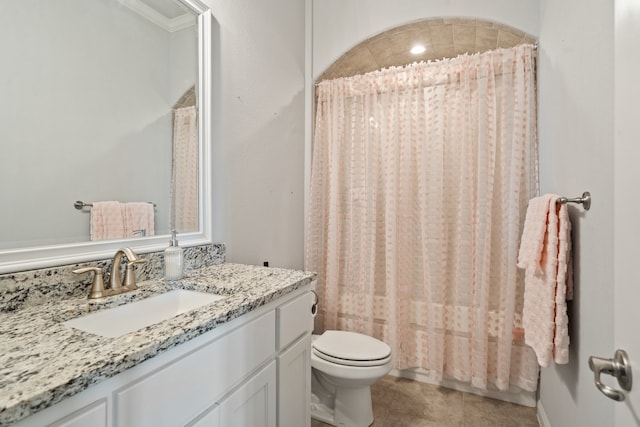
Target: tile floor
398, 402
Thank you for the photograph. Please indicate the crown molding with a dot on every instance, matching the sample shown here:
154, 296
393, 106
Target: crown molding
170, 25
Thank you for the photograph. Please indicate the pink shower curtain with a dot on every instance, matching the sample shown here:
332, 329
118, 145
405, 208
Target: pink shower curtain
184, 174
419, 185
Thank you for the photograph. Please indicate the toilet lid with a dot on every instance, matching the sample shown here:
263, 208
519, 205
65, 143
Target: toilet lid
351, 348
345, 362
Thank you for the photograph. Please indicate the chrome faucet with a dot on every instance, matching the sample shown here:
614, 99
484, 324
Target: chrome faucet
116, 284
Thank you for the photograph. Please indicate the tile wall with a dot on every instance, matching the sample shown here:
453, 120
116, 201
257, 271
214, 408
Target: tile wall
442, 38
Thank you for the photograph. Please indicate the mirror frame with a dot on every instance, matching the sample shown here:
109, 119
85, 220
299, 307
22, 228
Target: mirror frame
13, 260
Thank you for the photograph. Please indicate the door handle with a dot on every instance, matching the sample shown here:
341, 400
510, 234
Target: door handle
619, 367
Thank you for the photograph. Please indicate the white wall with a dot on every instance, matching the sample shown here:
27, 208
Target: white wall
576, 154
258, 130
339, 25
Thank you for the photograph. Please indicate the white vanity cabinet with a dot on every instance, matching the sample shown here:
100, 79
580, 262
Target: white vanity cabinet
253, 371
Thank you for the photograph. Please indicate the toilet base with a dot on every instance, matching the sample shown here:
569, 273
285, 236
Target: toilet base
340, 406
322, 412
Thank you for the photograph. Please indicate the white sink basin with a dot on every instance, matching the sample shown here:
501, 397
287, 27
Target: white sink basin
118, 321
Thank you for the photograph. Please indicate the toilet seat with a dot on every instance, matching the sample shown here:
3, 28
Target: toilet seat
351, 349
355, 363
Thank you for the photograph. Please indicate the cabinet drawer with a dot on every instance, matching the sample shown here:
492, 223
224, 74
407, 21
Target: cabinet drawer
179, 391
94, 415
294, 319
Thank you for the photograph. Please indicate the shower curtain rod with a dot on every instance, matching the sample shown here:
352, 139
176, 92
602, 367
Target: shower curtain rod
316, 84
380, 92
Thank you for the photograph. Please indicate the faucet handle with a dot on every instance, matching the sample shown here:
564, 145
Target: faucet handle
129, 275
97, 286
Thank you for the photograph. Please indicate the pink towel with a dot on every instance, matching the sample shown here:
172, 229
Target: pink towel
564, 287
535, 226
138, 216
107, 221
548, 278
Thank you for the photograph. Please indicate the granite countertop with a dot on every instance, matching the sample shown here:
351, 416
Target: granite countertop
42, 361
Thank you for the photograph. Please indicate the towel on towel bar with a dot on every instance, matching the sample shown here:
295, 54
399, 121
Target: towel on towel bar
545, 254
116, 220
107, 221
138, 216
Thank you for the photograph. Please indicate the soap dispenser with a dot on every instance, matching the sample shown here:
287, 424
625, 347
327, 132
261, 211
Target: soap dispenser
173, 259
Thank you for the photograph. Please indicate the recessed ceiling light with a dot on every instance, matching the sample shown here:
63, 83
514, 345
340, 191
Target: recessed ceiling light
418, 49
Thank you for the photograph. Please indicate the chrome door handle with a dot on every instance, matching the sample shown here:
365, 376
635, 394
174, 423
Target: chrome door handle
619, 367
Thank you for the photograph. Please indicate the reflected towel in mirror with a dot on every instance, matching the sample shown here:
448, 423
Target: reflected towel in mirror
116, 220
138, 219
107, 221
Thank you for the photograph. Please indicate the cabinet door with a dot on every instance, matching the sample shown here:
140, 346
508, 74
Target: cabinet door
180, 390
211, 418
294, 385
253, 403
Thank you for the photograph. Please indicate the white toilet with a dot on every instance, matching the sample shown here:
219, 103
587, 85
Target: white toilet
344, 365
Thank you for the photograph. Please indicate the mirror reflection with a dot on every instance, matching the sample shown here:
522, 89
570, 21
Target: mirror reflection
98, 106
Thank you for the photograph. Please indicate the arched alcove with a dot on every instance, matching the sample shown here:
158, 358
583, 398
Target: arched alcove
188, 99
442, 38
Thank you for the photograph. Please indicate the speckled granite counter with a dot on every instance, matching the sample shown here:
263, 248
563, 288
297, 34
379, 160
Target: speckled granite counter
42, 361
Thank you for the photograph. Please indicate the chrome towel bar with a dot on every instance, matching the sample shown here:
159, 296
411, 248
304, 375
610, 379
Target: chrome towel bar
79, 204
585, 200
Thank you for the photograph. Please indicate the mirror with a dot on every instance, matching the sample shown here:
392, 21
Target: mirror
89, 91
